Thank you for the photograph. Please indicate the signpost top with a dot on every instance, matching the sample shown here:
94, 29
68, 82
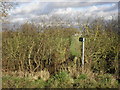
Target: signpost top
81, 39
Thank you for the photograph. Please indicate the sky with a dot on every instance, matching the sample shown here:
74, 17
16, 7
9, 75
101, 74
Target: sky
35, 10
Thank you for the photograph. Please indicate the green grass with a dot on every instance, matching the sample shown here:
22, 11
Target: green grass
75, 47
17, 82
62, 80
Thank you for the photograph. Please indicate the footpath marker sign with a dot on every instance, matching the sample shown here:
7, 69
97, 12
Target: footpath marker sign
81, 39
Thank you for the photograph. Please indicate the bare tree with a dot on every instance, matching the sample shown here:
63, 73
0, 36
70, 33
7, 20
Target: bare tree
6, 6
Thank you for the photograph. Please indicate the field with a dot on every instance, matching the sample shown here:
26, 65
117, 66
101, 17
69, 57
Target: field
50, 57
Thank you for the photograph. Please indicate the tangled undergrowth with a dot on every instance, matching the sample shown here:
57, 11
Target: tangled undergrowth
51, 58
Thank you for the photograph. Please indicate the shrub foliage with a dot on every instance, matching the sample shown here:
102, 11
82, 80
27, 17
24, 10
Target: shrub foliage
29, 49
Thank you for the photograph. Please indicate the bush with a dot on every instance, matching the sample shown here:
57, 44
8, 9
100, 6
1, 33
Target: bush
99, 81
34, 51
106, 81
60, 80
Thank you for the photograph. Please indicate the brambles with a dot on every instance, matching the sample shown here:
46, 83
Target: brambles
32, 51
53, 50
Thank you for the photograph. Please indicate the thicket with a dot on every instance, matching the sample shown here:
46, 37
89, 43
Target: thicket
55, 49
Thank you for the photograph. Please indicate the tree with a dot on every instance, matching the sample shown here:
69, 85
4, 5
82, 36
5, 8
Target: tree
6, 6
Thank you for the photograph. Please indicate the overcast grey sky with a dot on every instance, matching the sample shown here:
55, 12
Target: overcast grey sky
35, 9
